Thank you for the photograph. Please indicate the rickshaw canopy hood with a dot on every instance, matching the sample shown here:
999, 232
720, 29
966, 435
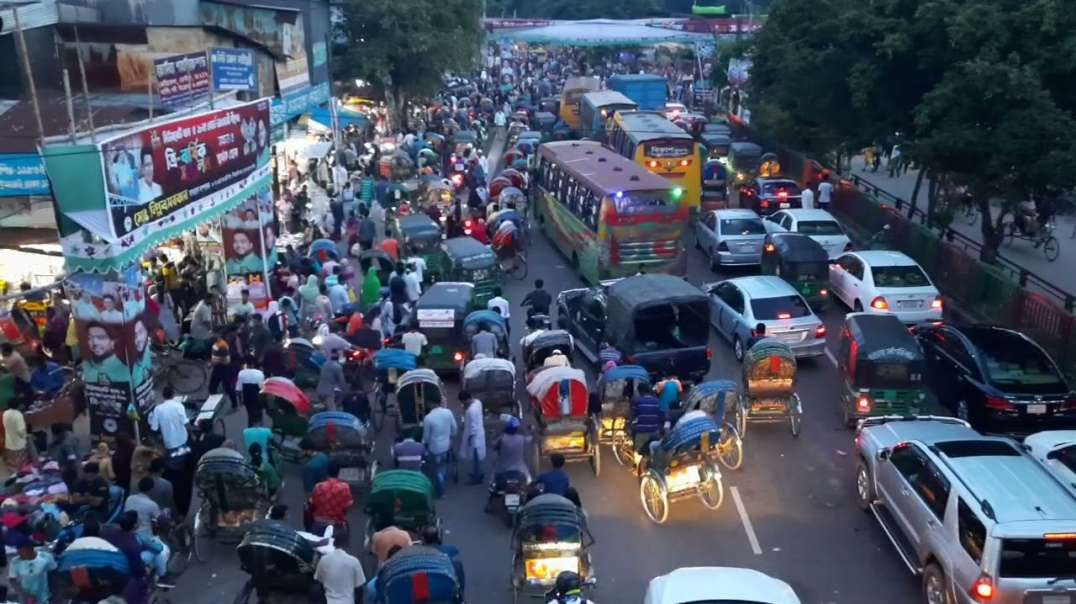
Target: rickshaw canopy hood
625, 297
478, 366
549, 377
469, 253
394, 358
484, 316
418, 376
627, 372
286, 389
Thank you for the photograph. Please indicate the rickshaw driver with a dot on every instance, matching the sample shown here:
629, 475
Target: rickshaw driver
647, 421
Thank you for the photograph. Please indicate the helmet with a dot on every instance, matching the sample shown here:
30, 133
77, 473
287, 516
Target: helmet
511, 424
568, 583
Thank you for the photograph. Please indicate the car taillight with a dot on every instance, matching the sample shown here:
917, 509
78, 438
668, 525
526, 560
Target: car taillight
723, 247
784, 315
983, 589
848, 246
764, 204
709, 354
863, 404
823, 292
457, 179
458, 357
782, 195
936, 303
1069, 404
820, 331
879, 303
769, 248
997, 403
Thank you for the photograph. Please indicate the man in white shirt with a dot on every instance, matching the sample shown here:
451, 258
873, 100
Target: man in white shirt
414, 341
249, 384
825, 193
332, 344
170, 419
438, 428
807, 198
414, 284
341, 575
147, 189
418, 266
244, 308
500, 304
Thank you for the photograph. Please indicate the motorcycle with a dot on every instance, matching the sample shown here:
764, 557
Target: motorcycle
509, 489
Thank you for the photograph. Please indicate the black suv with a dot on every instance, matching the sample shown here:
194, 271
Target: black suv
997, 379
767, 195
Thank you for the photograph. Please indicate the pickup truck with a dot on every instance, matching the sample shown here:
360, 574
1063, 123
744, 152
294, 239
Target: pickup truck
657, 321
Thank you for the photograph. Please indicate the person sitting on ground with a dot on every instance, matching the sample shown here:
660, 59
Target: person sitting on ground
554, 481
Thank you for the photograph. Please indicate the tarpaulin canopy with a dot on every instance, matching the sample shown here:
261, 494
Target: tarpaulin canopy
602, 32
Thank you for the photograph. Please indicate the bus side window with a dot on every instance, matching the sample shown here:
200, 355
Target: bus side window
630, 151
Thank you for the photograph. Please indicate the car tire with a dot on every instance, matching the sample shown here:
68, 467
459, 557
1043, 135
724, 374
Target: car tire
864, 486
737, 348
858, 306
935, 588
715, 266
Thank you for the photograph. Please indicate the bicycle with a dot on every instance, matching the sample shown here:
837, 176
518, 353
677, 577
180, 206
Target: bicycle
185, 376
1042, 236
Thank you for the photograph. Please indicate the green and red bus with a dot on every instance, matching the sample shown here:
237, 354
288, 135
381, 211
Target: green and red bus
609, 216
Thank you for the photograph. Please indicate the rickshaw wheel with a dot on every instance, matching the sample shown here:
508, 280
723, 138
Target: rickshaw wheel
245, 593
621, 452
741, 416
596, 456
1051, 248
712, 490
655, 498
730, 447
202, 538
795, 419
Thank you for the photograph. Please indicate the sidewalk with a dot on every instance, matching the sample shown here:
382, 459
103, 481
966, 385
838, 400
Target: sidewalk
1059, 272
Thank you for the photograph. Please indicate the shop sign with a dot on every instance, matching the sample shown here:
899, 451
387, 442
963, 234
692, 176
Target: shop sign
249, 234
233, 69
182, 79
22, 174
293, 104
155, 175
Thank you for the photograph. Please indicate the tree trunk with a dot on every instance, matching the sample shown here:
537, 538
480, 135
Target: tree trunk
932, 198
913, 203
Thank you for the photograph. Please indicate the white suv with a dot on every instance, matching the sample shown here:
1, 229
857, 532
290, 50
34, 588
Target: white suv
975, 516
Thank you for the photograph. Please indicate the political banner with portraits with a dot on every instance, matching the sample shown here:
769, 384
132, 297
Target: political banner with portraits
155, 175
249, 234
114, 340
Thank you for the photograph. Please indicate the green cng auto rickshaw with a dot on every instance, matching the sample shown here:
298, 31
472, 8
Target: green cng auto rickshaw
469, 261
440, 313
883, 368
744, 160
802, 262
421, 237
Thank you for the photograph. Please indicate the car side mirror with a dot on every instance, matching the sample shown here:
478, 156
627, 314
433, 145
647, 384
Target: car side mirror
883, 454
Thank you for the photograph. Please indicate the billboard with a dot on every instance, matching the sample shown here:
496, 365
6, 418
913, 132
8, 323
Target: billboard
161, 171
233, 69
249, 236
114, 332
182, 79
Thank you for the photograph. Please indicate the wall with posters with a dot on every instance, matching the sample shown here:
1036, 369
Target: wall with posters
113, 331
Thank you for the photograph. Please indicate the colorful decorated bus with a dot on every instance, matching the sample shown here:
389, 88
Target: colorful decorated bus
661, 147
607, 215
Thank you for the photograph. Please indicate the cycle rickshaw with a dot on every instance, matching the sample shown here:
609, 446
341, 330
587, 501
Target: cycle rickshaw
493, 321
417, 392
493, 381
617, 388
400, 498
281, 564
349, 445
769, 387
539, 346
418, 575
682, 464
560, 397
289, 408
550, 536
232, 495
714, 398
389, 365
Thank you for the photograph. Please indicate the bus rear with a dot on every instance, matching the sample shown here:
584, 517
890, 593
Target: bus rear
573, 89
642, 231
678, 160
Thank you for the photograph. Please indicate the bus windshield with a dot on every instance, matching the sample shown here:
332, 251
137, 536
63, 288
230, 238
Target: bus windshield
638, 203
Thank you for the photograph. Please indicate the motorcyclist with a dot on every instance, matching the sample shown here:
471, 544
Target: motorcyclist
511, 450
568, 589
538, 301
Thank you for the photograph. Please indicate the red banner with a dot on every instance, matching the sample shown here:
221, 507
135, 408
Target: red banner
159, 171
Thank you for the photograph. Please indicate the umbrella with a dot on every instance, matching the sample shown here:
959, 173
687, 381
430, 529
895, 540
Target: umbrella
510, 158
511, 194
286, 389
323, 249
526, 147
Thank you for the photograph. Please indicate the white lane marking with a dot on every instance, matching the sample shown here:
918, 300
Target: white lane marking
746, 520
832, 359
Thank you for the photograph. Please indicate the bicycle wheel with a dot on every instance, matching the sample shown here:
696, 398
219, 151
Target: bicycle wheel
181, 542
1051, 248
519, 268
203, 541
187, 377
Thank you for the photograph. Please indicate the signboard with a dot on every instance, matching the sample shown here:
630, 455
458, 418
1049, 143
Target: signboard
295, 103
233, 69
159, 171
22, 174
182, 79
249, 236
668, 150
113, 332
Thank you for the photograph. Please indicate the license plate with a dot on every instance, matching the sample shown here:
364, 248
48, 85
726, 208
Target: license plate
511, 501
785, 205
1039, 410
351, 474
459, 167
1056, 600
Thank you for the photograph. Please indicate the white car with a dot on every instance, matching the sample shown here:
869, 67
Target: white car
819, 225
1056, 450
718, 585
885, 282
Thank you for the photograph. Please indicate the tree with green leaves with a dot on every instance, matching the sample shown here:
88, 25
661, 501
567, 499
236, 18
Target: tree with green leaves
405, 46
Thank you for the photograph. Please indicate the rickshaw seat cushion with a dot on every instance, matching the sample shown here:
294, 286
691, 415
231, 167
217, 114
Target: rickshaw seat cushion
566, 426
